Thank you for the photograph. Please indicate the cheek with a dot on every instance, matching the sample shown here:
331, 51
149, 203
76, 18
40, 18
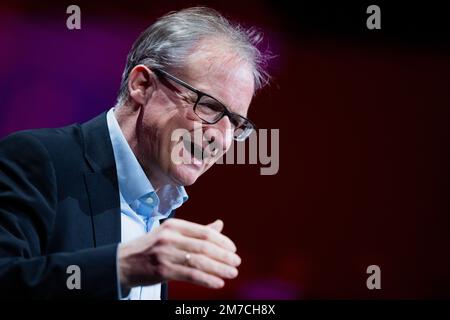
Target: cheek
189, 114
170, 133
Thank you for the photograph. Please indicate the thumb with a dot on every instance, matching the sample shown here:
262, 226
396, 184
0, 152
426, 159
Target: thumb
217, 225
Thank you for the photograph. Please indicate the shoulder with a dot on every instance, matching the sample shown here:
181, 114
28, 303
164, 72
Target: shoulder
40, 144
20, 144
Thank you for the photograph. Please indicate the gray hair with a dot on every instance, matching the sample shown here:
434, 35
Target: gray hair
169, 41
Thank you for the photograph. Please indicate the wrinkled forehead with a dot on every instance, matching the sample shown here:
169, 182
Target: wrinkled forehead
216, 69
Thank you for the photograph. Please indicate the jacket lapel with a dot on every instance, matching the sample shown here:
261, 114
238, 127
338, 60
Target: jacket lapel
102, 185
101, 182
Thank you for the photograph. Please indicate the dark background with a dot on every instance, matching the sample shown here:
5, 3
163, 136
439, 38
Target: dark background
363, 118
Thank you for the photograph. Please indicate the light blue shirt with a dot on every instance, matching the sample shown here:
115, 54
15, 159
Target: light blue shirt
140, 205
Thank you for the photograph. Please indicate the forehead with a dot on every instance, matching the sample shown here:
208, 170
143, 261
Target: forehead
220, 73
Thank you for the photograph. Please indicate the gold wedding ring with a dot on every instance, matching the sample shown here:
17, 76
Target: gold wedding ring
187, 258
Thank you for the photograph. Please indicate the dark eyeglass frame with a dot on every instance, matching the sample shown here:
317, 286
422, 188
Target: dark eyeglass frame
249, 125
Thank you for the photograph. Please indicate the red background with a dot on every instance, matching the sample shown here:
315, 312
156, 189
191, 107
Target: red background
363, 118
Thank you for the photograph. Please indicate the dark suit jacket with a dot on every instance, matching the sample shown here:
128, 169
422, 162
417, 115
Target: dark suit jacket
59, 206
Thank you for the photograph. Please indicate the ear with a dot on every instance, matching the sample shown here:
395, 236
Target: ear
141, 83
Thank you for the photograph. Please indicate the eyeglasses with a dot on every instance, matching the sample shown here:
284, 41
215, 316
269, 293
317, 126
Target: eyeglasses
210, 110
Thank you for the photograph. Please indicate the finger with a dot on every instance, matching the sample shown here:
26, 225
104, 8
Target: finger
214, 267
204, 263
199, 231
216, 225
207, 248
195, 276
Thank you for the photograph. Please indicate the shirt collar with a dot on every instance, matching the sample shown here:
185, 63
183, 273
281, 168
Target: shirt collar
133, 182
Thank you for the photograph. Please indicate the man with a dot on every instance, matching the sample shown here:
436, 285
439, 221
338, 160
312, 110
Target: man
89, 200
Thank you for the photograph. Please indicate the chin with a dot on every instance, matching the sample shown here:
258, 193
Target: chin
185, 175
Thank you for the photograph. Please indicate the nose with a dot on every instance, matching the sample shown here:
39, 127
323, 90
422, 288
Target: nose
220, 134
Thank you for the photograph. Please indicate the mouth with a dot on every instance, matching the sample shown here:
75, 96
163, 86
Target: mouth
198, 155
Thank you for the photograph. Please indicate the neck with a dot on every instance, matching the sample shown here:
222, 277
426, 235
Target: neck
128, 119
